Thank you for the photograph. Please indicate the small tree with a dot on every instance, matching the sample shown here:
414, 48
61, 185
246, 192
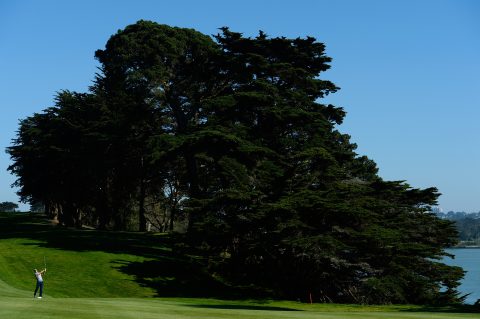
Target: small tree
8, 207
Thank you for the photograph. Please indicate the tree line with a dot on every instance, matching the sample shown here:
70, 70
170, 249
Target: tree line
468, 230
7, 207
225, 140
467, 224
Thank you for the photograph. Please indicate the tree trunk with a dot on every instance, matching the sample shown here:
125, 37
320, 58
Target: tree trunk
172, 217
194, 188
142, 221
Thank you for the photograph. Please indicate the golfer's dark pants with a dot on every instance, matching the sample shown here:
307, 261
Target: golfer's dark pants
39, 285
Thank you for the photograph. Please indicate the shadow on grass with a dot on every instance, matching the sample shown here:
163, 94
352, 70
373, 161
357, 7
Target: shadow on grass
244, 307
168, 273
36, 227
445, 309
171, 277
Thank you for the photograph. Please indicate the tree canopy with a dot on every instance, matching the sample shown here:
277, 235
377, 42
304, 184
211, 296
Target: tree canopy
7, 207
227, 141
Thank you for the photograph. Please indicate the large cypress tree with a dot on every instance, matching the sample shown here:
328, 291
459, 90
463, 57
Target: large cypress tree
233, 131
291, 207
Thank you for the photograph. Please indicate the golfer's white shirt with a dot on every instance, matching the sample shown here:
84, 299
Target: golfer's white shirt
39, 276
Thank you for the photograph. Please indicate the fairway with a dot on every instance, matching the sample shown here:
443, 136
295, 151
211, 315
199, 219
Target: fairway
81, 308
95, 274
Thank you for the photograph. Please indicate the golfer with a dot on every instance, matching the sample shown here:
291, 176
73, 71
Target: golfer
39, 274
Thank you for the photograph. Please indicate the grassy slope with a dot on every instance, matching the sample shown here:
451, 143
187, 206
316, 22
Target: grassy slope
72, 272
86, 265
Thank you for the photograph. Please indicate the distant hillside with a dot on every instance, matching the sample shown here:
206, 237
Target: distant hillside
468, 226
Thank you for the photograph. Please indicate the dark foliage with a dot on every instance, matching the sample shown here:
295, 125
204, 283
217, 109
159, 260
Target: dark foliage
8, 206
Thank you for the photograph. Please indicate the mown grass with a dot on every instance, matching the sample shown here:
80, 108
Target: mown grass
93, 274
146, 308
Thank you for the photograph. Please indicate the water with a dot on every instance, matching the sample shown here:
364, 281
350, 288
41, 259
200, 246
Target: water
469, 260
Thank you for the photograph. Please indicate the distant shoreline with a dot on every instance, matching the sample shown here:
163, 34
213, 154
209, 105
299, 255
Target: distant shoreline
466, 246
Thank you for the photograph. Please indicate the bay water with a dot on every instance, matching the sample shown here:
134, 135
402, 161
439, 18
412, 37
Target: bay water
469, 260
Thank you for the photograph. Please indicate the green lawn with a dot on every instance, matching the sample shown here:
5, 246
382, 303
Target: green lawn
93, 274
73, 308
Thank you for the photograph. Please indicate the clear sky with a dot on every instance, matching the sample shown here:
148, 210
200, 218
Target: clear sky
409, 71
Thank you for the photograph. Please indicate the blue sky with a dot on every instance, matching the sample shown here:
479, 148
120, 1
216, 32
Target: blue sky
409, 71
